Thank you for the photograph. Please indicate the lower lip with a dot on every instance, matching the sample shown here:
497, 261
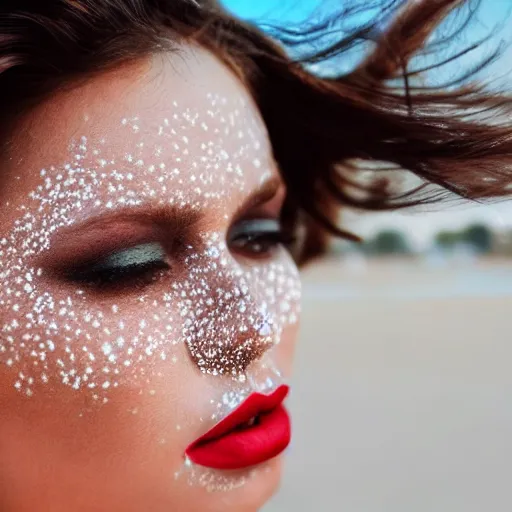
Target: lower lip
254, 445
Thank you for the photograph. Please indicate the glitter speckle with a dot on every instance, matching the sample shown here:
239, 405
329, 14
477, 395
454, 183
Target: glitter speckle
107, 348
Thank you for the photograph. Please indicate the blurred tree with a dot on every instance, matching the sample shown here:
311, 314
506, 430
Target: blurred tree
480, 237
447, 240
389, 242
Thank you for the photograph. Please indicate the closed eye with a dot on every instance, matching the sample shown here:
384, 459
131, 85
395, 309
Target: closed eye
135, 266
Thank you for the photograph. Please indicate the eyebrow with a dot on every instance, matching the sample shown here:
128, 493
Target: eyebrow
129, 226
165, 215
162, 215
265, 193
133, 225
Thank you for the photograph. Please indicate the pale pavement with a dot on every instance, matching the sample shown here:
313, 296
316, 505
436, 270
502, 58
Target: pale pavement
402, 400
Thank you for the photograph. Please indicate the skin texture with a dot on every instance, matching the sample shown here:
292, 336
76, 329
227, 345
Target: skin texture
102, 390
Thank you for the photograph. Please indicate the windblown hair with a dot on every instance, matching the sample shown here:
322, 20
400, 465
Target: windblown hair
322, 129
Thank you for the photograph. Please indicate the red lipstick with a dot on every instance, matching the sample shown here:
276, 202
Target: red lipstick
256, 431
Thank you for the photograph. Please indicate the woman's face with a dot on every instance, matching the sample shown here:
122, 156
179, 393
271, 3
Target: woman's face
145, 293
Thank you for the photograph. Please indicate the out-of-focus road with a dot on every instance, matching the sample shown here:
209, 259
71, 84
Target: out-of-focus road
402, 399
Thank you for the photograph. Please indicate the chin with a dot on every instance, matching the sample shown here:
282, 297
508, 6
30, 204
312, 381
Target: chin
250, 497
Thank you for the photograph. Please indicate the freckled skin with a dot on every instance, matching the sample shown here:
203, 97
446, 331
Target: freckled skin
101, 393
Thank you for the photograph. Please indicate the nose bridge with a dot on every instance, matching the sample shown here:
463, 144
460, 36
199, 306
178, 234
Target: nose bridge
229, 324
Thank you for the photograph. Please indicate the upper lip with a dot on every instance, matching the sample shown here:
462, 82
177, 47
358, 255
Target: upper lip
253, 406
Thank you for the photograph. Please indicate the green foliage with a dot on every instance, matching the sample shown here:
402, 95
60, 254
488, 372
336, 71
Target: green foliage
478, 236
388, 242
447, 239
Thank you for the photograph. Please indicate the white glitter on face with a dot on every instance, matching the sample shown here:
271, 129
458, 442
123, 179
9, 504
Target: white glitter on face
226, 313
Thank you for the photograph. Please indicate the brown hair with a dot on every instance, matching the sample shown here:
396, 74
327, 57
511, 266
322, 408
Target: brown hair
321, 129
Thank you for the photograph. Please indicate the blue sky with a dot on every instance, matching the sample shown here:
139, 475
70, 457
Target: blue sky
284, 10
491, 14
295, 11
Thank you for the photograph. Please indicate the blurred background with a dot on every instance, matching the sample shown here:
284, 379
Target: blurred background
402, 398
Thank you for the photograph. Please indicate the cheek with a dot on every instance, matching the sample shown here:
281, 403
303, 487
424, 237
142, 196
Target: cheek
59, 339
115, 454
285, 351
65, 368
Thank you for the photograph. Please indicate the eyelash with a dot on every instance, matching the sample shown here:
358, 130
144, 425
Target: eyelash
266, 236
106, 274
136, 275
257, 239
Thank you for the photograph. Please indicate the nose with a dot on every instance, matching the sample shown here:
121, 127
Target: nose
227, 321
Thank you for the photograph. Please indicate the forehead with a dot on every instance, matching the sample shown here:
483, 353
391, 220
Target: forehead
177, 128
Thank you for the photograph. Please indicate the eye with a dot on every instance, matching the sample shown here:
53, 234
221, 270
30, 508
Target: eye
258, 237
135, 266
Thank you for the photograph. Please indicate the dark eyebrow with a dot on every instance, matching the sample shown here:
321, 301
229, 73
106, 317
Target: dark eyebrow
162, 216
131, 226
165, 216
265, 193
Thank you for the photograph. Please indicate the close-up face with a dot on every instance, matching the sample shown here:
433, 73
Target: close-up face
149, 305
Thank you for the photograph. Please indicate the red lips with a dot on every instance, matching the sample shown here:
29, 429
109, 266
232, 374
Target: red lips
257, 431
